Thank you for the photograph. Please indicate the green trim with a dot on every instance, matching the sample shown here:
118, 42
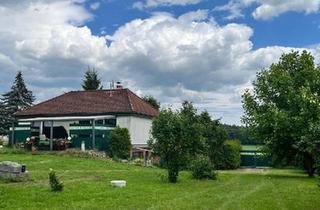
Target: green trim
21, 129
90, 127
252, 153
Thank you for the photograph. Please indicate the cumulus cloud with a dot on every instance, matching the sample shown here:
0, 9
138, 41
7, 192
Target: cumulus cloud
266, 10
273, 8
189, 57
158, 3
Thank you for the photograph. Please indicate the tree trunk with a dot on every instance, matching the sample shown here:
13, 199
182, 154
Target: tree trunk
309, 164
173, 175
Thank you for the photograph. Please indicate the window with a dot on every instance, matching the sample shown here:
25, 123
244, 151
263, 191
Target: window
99, 122
111, 122
84, 122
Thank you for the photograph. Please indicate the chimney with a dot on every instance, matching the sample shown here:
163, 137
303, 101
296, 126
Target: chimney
119, 85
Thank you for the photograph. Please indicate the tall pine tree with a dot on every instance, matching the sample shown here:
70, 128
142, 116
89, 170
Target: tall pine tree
91, 80
18, 98
3, 117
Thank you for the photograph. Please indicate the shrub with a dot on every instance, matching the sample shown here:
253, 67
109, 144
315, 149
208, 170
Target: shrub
202, 168
138, 162
55, 184
120, 143
163, 177
230, 156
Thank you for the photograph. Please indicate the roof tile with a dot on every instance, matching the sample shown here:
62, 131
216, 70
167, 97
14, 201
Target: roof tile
74, 103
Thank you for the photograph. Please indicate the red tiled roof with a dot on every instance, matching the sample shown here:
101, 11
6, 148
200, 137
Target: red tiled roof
98, 102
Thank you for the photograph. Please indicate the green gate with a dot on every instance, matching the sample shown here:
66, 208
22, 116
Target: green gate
21, 133
83, 133
252, 156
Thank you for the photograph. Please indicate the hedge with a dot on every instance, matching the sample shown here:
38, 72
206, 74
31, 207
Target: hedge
230, 157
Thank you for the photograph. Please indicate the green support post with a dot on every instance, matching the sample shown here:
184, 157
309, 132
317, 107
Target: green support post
13, 134
51, 136
93, 134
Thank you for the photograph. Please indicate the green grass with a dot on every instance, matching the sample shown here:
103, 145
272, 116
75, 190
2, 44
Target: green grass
250, 147
87, 187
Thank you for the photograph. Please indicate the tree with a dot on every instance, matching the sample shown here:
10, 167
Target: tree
91, 80
283, 109
230, 158
152, 101
168, 142
120, 143
179, 137
3, 117
18, 98
191, 130
240, 133
215, 136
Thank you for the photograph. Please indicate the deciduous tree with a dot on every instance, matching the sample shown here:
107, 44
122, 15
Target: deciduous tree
152, 101
283, 109
167, 142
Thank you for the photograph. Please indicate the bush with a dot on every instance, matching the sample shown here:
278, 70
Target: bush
55, 184
138, 162
202, 168
230, 157
120, 143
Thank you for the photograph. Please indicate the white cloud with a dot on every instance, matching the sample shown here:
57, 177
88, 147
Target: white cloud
273, 8
266, 10
190, 58
158, 3
233, 7
95, 5
174, 58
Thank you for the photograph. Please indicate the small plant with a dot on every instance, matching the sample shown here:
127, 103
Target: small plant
55, 184
138, 162
162, 177
202, 168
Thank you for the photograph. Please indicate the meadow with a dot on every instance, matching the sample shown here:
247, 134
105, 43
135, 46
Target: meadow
87, 186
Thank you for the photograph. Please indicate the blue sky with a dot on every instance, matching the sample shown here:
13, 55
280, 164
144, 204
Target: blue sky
205, 51
293, 29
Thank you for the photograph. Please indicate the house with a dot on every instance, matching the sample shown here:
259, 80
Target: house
86, 117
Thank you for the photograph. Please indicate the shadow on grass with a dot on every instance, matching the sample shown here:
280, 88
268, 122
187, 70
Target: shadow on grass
289, 176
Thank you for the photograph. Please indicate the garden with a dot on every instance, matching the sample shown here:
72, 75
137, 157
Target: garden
87, 186
194, 163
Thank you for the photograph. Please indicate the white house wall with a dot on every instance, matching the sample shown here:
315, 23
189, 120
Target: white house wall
138, 127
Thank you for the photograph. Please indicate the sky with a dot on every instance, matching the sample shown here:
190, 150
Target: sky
204, 51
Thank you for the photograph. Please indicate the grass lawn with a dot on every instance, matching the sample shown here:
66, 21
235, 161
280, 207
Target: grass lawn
87, 187
251, 147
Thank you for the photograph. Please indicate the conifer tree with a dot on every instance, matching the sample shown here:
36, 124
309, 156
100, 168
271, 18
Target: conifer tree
18, 98
2, 118
91, 80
